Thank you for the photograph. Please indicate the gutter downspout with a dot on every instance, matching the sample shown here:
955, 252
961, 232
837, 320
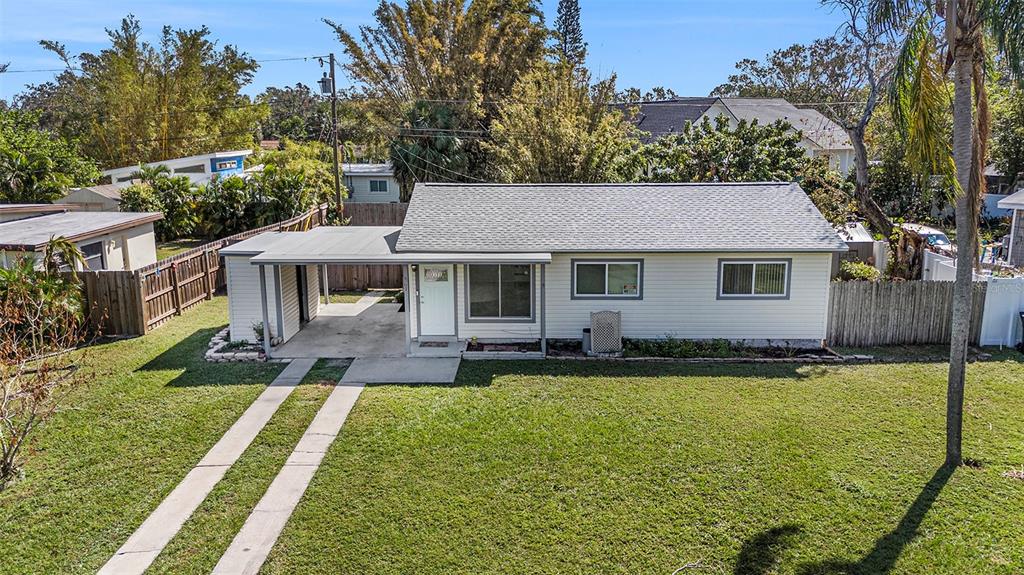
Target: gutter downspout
266, 312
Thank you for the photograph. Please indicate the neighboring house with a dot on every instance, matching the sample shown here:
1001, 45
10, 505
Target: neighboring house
99, 198
108, 240
821, 136
864, 248
530, 262
199, 169
11, 212
370, 183
1015, 203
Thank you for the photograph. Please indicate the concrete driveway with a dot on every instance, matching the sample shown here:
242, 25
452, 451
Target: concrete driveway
349, 330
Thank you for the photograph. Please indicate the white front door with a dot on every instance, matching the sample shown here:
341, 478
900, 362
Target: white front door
437, 299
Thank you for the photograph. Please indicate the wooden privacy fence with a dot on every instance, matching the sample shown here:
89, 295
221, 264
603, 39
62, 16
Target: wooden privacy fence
375, 214
370, 276
134, 302
863, 314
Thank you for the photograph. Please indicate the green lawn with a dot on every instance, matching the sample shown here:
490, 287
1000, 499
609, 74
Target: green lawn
173, 248
587, 467
122, 443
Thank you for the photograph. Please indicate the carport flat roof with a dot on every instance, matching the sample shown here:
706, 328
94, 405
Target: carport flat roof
356, 245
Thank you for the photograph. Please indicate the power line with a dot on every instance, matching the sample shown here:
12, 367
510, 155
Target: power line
76, 69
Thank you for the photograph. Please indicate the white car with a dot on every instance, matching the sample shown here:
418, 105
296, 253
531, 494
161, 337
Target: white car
937, 240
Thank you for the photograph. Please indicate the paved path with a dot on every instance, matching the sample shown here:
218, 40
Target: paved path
253, 542
138, 553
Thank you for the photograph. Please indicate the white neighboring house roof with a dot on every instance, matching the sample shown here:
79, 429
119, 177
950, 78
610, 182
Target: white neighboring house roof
109, 191
1014, 201
31, 234
178, 162
815, 126
384, 169
719, 217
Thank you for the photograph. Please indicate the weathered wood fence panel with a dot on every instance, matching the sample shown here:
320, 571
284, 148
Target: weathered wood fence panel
363, 277
134, 302
863, 314
366, 277
113, 301
375, 214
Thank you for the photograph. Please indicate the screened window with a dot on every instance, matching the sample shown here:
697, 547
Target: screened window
379, 186
500, 291
197, 169
754, 279
93, 256
607, 279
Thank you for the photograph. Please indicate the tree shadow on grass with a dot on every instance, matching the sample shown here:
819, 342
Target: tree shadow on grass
760, 554
187, 356
887, 549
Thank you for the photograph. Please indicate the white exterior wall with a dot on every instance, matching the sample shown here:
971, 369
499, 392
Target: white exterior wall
359, 189
313, 290
680, 299
516, 330
289, 301
88, 200
244, 309
126, 250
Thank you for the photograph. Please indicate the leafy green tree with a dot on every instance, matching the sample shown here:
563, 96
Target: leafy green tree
140, 198
429, 147
830, 192
231, 205
558, 127
135, 102
632, 95
311, 159
714, 152
1008, 132
36, 165
570, 45
488, 45
175, 196
296, 112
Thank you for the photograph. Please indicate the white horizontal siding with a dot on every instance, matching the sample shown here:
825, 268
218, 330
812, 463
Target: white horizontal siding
289, 301
359, 189
495, 330
680, 299
313, 290
244, 309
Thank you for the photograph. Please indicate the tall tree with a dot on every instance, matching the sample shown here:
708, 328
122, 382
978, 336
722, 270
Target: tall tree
631, 95
37, 165
949, 37
400, 60
570, 44
296, 113
430, 147
137, 102
558, 127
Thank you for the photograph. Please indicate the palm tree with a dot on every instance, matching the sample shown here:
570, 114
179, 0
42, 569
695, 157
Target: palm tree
948, 38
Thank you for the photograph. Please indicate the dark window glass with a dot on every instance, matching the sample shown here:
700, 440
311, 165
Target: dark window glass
93, 256
590, 279
737, 279
515, 291
483, 291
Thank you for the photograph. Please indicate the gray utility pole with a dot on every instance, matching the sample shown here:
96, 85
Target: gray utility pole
334, 124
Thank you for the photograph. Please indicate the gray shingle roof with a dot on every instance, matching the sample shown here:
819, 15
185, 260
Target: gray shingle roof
665, 117
614, 218
31, 233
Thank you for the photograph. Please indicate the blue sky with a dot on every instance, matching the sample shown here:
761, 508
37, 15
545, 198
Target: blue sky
687, 45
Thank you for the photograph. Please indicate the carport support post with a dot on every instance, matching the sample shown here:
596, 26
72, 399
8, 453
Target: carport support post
543, 307
266, 313
408, 301
323, 280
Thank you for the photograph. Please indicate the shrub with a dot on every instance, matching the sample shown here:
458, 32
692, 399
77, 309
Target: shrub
858, 271
680, 348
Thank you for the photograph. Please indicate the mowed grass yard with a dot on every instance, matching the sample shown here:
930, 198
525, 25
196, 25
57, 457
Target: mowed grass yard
587, 467
539, 467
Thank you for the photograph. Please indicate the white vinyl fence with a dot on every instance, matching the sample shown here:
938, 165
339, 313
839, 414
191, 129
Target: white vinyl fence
1004, 302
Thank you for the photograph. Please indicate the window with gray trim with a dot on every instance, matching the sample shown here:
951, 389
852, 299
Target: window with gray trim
92, 255
498, 292
379, 186
753, 279
607, 279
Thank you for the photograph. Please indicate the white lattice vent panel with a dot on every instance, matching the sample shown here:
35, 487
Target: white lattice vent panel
606, 332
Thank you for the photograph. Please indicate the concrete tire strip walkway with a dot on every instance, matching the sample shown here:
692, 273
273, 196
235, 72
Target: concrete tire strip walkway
146, 543
253, 543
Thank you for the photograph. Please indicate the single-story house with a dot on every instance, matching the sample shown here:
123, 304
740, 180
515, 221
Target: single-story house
11, 212
1015, 203
108, 240
821, 136
371, 182
199, 169
530, 262
863, 248
98, 198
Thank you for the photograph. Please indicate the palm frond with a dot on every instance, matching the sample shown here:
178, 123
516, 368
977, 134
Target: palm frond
890, 15
919, 96
1005, 21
